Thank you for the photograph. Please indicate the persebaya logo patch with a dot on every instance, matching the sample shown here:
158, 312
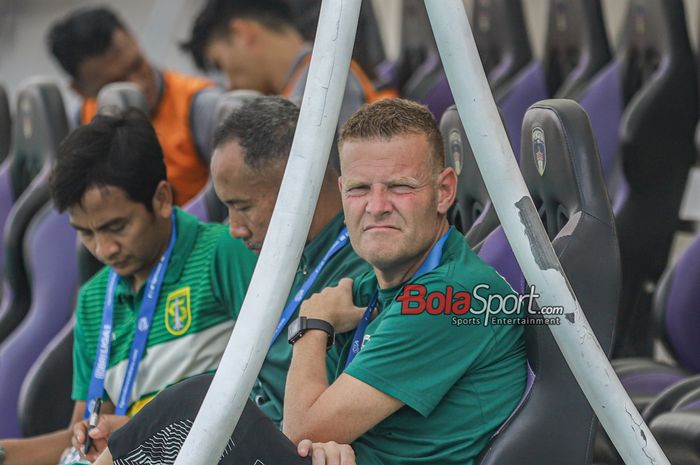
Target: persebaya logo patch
178, 314
539, 150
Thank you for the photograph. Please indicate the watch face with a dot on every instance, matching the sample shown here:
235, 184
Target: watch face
294, 331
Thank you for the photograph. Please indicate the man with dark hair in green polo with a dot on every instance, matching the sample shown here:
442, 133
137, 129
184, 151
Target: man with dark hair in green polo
169, 292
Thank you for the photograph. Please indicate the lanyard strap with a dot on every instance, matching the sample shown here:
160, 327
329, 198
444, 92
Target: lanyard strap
143, 326
429, 264
292, 306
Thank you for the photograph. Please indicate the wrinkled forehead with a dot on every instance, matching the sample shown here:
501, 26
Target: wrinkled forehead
406, 155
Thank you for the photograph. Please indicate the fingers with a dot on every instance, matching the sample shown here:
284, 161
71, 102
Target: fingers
79, 431
304, 447
345, 282
327, 453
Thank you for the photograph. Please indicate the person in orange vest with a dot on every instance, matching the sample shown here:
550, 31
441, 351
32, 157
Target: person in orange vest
258, 46
95, 48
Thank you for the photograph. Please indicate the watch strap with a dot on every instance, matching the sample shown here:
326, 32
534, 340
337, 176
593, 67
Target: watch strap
302, 324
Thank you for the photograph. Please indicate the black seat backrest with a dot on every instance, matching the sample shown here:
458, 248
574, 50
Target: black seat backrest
501, 37
576, 46
656, 136
473, 213
560, 165
40, 125
5, 125
417, 43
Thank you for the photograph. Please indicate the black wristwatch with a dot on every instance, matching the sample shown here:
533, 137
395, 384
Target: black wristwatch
298, 327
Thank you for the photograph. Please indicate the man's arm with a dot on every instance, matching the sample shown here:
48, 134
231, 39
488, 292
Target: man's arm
344, 410
45, 449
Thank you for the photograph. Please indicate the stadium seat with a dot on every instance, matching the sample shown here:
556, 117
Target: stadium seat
576, 46
45, 403
661, 110
579, 67
42, 117
554, 423
501, 37
49, 257
472, 214
678, 431
206, 205
5, 125
117, 97
517, 81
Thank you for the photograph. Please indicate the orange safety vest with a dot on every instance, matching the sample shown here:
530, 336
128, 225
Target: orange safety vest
371, 92
186, 171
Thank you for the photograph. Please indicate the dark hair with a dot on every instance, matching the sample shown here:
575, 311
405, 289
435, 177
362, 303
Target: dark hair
80, 35
213, 21
264, 128
395, 117
120, 151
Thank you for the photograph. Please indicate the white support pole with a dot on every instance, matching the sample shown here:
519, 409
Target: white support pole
528, 238
285, 237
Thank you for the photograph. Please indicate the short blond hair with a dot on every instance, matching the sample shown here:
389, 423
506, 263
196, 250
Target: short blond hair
395, 117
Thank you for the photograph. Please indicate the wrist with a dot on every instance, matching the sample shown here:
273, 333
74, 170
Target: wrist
303, 326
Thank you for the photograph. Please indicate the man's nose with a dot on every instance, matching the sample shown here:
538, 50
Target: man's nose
237, 228
105, 248
379, 202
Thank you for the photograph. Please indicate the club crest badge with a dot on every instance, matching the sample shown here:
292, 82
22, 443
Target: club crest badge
539, 150
456, 150
178, 314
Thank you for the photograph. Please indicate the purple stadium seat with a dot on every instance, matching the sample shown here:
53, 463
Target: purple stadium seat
49, 249
554, 421
678, 430
576, 46
45, 403
501, 36
5, 125
514, 98
41, 115
6, 202
472, 213
656, 146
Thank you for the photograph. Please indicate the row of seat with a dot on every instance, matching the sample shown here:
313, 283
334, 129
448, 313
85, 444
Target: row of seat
642, 102
41, 273
571, 197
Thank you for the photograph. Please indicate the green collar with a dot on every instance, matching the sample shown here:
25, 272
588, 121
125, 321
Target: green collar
186, 236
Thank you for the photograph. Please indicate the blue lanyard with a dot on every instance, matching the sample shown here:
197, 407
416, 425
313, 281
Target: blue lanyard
292, 306
143, 326
429, 264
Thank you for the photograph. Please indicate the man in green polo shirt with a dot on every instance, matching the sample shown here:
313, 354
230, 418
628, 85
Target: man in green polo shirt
412, 386
111, 178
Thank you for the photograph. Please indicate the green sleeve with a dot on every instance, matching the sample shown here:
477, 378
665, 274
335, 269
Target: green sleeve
82, 359
231, 271
418, 358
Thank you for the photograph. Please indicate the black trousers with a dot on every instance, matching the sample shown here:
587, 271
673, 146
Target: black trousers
156, 434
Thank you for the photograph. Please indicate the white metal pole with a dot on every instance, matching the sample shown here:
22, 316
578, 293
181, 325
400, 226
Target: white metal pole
531, 246
285, 237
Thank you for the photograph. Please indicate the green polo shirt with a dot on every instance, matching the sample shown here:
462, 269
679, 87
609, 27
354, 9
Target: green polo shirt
268, 391
203, 289
458, 383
